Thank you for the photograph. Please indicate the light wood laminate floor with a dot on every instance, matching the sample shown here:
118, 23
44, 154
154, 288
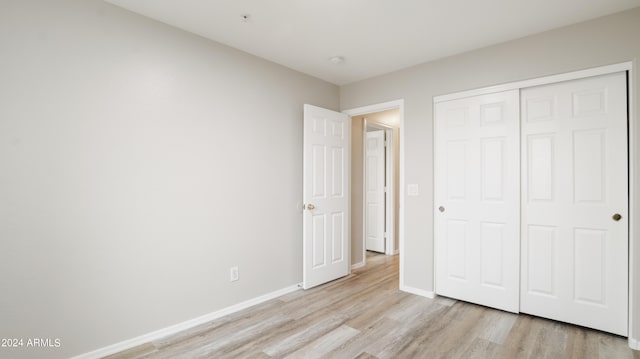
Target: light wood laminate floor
364, 315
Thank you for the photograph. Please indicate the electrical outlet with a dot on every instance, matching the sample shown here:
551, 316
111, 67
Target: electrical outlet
233, 274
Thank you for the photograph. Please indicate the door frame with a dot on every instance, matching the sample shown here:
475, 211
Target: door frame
634, 201
383, 106
389, 195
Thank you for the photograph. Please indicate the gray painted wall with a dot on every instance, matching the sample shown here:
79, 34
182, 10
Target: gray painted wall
132, 154
137, 164
603, 41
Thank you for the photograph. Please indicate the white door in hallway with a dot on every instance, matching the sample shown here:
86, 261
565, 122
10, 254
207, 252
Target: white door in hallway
326, 195
477, 199
575, 202
374, 194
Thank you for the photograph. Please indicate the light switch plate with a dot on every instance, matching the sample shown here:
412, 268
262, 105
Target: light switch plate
413, 190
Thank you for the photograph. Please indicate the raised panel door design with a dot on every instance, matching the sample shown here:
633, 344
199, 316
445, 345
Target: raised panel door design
457, 249
372, 173
338, 245
590, 256
540, 261
337, 173
539, 109
590, 102
589, 166
337, 129
456, 169
319, 126
319, 241
492, 260
584, 168
540, 167
491, 114
477, 197
457, 117
319, 166
493, 169
326, 195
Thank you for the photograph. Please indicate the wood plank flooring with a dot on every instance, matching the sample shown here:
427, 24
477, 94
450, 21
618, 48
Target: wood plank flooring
365, 316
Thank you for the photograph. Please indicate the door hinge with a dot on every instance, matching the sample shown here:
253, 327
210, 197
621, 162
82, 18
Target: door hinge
386, 143
385, 189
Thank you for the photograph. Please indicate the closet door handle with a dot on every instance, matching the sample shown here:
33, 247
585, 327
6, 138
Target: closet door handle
616, 217
441, 209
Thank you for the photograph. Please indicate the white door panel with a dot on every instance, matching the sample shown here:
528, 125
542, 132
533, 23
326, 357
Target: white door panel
374, 195
574, 178
477, 196
326, 194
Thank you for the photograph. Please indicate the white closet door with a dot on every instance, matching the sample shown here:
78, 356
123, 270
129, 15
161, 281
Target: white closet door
574, 181
477, 194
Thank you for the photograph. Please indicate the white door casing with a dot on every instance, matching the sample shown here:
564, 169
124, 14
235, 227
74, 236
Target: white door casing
326, 195
574, 179
477, 196
375, 174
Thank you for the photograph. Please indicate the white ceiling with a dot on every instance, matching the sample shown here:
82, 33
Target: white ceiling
373, 36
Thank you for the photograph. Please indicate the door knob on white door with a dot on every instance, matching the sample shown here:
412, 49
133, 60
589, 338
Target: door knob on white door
441, 209
310, 206
616, 217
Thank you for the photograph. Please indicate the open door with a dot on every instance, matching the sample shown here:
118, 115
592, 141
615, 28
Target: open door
375, 171
326, 195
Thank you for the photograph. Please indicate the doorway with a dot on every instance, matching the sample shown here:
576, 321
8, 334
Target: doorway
330, 139
375, 182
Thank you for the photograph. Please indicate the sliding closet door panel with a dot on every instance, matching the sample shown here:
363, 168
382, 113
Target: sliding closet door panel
477, 197
574, 180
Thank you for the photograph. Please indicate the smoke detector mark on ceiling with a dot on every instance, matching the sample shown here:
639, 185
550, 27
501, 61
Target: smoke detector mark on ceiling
337, 60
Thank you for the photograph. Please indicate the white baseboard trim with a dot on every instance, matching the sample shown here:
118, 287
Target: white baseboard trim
358, 265
416, 291
145, 338
634, 344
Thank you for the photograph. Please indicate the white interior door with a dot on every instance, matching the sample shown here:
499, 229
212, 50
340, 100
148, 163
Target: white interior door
375, 194
477, 199
326, 195
575, 179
